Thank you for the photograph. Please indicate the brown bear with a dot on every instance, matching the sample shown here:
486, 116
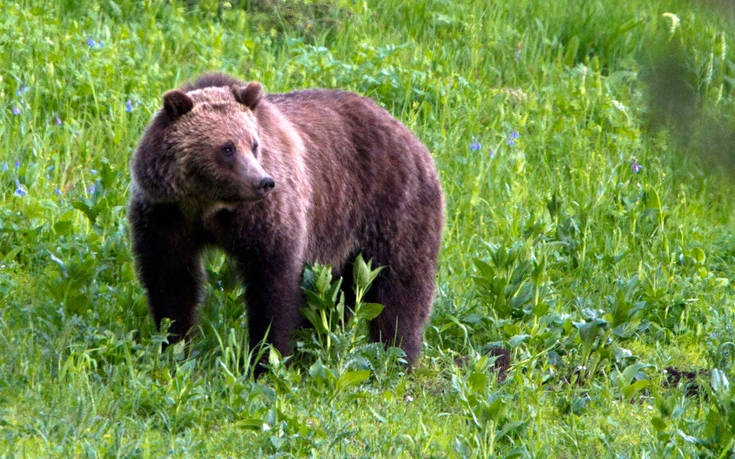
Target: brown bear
279, 181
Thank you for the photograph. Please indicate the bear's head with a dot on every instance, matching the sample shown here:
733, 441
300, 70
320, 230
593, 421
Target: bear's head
203, 147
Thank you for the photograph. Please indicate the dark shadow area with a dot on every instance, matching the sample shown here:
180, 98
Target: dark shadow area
688, 379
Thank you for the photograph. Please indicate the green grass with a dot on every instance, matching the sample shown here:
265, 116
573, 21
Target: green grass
595, 277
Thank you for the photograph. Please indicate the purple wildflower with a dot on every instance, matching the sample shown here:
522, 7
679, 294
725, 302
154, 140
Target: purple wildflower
20, 91
50, 168
93, 171
491, 153
635, 166
91, 43
512, 138
19, 189
58, 120
16, 111
16, 164
57, 191
5, 166
475, 145
91, 189
129, 105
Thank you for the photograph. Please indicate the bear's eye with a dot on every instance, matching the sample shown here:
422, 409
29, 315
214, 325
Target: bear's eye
255, 146
228, 149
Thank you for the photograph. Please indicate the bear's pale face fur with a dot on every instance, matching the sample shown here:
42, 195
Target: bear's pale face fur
279, 181
215, 148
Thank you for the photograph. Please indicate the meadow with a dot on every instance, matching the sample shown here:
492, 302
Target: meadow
585, 150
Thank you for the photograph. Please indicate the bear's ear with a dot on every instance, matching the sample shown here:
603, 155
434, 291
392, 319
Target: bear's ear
250, 95
177, 103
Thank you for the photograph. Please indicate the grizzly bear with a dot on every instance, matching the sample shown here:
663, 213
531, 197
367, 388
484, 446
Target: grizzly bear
279, 181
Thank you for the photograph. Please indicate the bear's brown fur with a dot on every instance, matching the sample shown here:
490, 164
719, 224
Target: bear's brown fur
279, 181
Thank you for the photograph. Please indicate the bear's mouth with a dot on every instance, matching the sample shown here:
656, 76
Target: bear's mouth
234, 201
255, 194
229, 204
222, 205
246, 194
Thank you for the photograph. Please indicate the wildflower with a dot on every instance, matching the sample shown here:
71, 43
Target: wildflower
5, 166
20, 91
129, 105
58, 120
16, 164
91, 43
475, 145
635, 166
94, 171
50, 168
512, 138
57, 191
19, 189
491, 153
16, 111
91, 189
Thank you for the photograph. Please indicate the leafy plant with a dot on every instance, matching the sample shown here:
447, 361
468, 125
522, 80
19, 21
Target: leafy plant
343, 358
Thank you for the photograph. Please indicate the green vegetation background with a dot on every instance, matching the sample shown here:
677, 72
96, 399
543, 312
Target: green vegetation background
584, 149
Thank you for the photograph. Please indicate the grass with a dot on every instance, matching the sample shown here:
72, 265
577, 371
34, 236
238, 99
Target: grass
594, 276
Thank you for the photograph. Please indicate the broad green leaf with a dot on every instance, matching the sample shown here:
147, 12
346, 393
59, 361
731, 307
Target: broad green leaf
658, 424
478, 381
632, 389
518, 339
369, 311
351, 378
630, 372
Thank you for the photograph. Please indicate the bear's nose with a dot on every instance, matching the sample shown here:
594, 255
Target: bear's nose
266, 185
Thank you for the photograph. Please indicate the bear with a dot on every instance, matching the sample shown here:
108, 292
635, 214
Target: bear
279, 181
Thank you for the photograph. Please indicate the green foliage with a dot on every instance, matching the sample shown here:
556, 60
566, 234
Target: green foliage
588, 230
338, 345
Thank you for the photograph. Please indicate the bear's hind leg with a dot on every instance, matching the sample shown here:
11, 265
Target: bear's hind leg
406, 286
407, 304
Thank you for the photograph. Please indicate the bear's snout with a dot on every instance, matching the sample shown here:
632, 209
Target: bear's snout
265, 186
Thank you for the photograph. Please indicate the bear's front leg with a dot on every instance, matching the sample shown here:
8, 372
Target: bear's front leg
273, 296
167, 255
